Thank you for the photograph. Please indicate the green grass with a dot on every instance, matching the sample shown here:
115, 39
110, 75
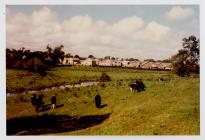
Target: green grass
169, 107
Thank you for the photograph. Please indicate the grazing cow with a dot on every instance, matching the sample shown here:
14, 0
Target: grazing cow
39, 102
33, 99
138, 85
97, 101
53, 101
133, 87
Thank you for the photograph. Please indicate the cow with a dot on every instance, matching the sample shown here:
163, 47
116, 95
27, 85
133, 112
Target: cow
39, 102
98, 101
53, 101
33, 99
137, 85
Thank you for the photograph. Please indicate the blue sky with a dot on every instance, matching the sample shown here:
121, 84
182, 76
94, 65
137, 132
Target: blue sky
110, 13
167, 24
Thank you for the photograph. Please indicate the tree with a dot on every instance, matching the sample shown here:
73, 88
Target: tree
192, 45
101, 59
107, 57
25, 59
76, 56
36, 61
112, 58
54, 56
187, 59
58, 55
15, 58
150, 60
132, 59
166, 60
83, 58
68, 55
179, 63
104, 77
91, 56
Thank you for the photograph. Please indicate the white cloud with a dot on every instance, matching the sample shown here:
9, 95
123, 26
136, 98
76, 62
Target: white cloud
178, 13
153, 32
77, 23
127, 25
44, 15
128, 37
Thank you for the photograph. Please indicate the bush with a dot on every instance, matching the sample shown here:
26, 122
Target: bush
104, 77
102, 85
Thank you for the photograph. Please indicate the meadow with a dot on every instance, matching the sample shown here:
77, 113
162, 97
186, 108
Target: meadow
168, 107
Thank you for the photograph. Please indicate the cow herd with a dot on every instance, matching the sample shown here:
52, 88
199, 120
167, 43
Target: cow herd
37, 101
38, 104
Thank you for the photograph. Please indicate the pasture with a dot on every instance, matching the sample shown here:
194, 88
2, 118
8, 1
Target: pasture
168, 107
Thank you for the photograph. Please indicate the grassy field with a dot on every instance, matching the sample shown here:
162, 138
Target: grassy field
169, 107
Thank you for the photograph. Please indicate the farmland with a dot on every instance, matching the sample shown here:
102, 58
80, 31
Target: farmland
168, 107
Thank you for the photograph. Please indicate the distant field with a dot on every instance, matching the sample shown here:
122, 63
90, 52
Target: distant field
169, 107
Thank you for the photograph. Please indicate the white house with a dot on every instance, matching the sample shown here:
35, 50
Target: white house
89, 62
70, 61
106, 62
110, 62
97, 61
155, 65
165, 66
146, 65
133, 64
117, 63
125, 63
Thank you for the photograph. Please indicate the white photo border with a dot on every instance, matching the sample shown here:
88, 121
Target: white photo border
3, 4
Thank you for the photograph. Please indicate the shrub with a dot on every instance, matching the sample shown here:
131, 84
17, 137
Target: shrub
102, 85
104, 77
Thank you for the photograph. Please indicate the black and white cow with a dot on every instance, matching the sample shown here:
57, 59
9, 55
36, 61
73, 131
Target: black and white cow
138, 85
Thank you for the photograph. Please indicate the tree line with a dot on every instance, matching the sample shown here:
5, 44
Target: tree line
36, 61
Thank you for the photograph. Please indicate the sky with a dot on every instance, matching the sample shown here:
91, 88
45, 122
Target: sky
124, 31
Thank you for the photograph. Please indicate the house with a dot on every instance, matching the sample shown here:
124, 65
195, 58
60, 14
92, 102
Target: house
106, 62
70, 61
89, 62
125, 63
133, 64
146, 65
110, 62
117, 63
155, 65
97, 61
165, 66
